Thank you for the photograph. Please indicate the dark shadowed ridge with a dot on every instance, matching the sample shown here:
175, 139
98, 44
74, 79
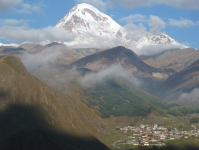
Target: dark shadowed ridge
24, 128
34, 116
125, 56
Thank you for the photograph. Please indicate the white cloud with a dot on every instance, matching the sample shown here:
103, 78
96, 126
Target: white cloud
22, 33
12, 21
29, 9
20, 7
182, 23
98, 42
9, 4
115, 71
135, 32
156, 24
134, 18
184, 4
43, 58
98, 3
187, 44
150, 50
189, 97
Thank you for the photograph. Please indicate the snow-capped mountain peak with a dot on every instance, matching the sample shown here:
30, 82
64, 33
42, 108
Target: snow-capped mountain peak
90, 24
152, 39
93, 26
84, 17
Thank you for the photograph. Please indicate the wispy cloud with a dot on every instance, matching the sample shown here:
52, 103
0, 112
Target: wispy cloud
9, 4
11, 22
134, 18
26, 8
191, 97
182, 23
156, 24
20, 7
151, 50
135, 32
43, 58
98, 3
183, 4
22, 33
115, 71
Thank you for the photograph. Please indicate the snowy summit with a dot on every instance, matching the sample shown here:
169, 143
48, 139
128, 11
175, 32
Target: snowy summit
93, 26
90, 24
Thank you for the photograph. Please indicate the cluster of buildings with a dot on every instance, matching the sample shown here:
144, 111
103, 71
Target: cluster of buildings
154, 135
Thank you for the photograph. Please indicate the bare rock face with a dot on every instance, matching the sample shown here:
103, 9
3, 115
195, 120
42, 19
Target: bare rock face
177, 60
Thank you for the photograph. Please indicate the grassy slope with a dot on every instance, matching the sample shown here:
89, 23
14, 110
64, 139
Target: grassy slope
113, 95
33, 107
116, 96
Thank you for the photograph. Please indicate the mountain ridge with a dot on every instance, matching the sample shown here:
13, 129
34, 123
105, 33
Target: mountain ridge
22, 94
122, 56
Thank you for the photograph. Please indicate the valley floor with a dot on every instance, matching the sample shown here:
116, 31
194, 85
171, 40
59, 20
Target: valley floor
133, 132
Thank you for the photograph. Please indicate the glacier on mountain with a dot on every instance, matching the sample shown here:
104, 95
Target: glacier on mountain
94, 27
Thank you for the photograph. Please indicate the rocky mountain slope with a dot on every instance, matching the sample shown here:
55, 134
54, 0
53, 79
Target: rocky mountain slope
184, 81
177, 59
111, 96
122, 56
35, 116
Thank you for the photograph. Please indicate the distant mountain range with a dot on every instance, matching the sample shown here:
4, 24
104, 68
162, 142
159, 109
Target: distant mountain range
91, 25
54, 96
122, 56
96, 29
176, 59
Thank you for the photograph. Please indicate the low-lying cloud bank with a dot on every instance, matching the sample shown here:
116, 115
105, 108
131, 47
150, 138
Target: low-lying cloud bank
190, 98
95, 41
156, 49
34, 61
22, 33
44, 59
115, 71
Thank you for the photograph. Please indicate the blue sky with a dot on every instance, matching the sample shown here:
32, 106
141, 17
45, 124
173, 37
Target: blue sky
179, 18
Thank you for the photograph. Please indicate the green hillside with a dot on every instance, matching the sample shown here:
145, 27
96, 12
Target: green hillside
116, 98
110, 97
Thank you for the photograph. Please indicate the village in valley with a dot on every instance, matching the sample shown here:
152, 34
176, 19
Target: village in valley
154, 135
